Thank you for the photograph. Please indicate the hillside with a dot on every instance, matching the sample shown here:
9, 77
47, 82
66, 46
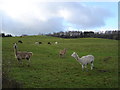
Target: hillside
48, 70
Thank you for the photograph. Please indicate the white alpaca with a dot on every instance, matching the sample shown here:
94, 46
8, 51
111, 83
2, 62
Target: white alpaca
84, 60
56, 43
36, 42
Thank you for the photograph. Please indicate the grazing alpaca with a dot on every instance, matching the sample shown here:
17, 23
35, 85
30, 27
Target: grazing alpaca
20, 41
62, 52
49, 43
84, 60
22, 55
38, 42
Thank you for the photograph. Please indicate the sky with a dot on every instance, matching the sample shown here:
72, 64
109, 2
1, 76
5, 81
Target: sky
32, 17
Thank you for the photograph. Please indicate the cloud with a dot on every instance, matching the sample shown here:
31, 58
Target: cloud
85, 16
37, 26
34, 18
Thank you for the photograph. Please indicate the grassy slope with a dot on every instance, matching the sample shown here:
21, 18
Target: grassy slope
47, 70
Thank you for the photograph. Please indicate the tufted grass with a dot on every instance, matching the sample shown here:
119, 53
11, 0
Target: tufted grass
47, 70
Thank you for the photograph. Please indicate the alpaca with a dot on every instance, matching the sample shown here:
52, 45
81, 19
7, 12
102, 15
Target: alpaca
38, 42
62, 52
20, 41
84, 60
49, 43
56, 43
22, 55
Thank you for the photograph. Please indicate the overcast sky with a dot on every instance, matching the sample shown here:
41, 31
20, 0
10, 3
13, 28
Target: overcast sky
27, 17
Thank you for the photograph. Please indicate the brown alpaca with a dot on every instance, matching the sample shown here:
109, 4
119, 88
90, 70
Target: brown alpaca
22, 55
62, 52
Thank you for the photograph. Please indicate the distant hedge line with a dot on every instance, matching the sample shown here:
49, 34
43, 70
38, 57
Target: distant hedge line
77, 34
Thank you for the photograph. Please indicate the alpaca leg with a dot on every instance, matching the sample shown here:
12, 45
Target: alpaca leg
19, 60
92, 66
60, 55
28, 61
86, 67
82, 67
63, 55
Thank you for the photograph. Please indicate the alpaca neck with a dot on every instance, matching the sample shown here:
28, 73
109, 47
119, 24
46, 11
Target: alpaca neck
64, 50
15, 50
77, 57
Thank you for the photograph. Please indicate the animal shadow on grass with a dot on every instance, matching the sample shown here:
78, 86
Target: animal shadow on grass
101, 70
104, 70
107, 59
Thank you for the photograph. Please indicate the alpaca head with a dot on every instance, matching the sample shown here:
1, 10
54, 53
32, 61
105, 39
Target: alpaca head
74, 54
30, 53
15, 46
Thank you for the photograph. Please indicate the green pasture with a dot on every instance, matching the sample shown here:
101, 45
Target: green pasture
48, 70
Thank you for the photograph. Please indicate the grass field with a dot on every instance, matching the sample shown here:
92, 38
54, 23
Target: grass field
47, 70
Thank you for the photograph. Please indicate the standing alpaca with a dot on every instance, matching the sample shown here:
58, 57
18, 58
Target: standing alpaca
62, 52
22, 55
56, 43
84, 60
